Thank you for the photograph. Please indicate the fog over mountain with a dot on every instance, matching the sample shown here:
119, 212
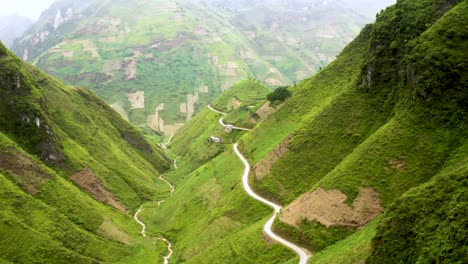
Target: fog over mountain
12, 26
33, 9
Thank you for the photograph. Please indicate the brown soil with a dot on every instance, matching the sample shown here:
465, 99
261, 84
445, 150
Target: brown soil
131, 66
130, 70
329, 208
268, 240
88, 45
110, 66
263, 167
171, 129
26, 171
265, 111
137, 99
68, 54
88, 181
398, 164
234, 104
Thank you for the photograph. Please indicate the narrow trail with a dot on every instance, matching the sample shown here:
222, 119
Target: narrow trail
221, 120
143, 226
304, 254
168, 183
214, 110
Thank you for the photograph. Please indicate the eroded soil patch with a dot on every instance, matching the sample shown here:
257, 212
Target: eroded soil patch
26, 171
113, 232
263, 167
88, 181
328, 207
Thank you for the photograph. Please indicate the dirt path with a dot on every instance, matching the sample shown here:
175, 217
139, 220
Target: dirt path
143, 226
304, 255
167, 182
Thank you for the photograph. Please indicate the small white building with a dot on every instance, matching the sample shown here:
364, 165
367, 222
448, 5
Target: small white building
228, 128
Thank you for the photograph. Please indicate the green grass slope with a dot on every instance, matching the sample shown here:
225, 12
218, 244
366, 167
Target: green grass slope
240, 103
49, 132
210, 218
388, 114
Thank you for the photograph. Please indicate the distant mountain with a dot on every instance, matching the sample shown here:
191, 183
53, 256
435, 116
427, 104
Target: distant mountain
12, 27
72, 173
159, 62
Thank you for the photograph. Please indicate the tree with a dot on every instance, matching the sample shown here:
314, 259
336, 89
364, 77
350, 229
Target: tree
280, 94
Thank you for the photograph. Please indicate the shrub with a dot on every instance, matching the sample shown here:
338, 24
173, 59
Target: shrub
280, 94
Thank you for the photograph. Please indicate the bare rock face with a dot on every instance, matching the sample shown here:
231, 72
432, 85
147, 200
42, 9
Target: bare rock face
328, 207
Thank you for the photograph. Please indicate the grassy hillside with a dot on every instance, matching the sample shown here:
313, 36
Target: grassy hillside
209, 217
159, 62
352, 135
240, 102
72, 172
350, 144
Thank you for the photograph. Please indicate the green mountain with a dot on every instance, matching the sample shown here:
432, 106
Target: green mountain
71, 173
159, 62
367, 157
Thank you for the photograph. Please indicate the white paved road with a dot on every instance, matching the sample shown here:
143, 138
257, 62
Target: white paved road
304, 255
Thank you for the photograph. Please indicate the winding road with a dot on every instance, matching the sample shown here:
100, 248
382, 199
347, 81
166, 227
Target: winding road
143, 226
221, 122
304, 254
214, 110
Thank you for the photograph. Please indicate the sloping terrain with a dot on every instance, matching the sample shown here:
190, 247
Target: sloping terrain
71, 172
159, 62
378, 129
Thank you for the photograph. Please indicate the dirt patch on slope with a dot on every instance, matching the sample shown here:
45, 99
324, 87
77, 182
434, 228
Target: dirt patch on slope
329, 208
137, 99
263, 167
171, 129
88, 181
234, 104
110, 66
398, 164
265, 111
89, 46
26, 171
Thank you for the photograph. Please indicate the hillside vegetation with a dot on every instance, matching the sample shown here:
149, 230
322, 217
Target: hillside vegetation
159, 62
355, 155
72, 171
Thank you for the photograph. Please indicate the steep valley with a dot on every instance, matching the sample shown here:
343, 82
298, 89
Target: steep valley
363, 161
